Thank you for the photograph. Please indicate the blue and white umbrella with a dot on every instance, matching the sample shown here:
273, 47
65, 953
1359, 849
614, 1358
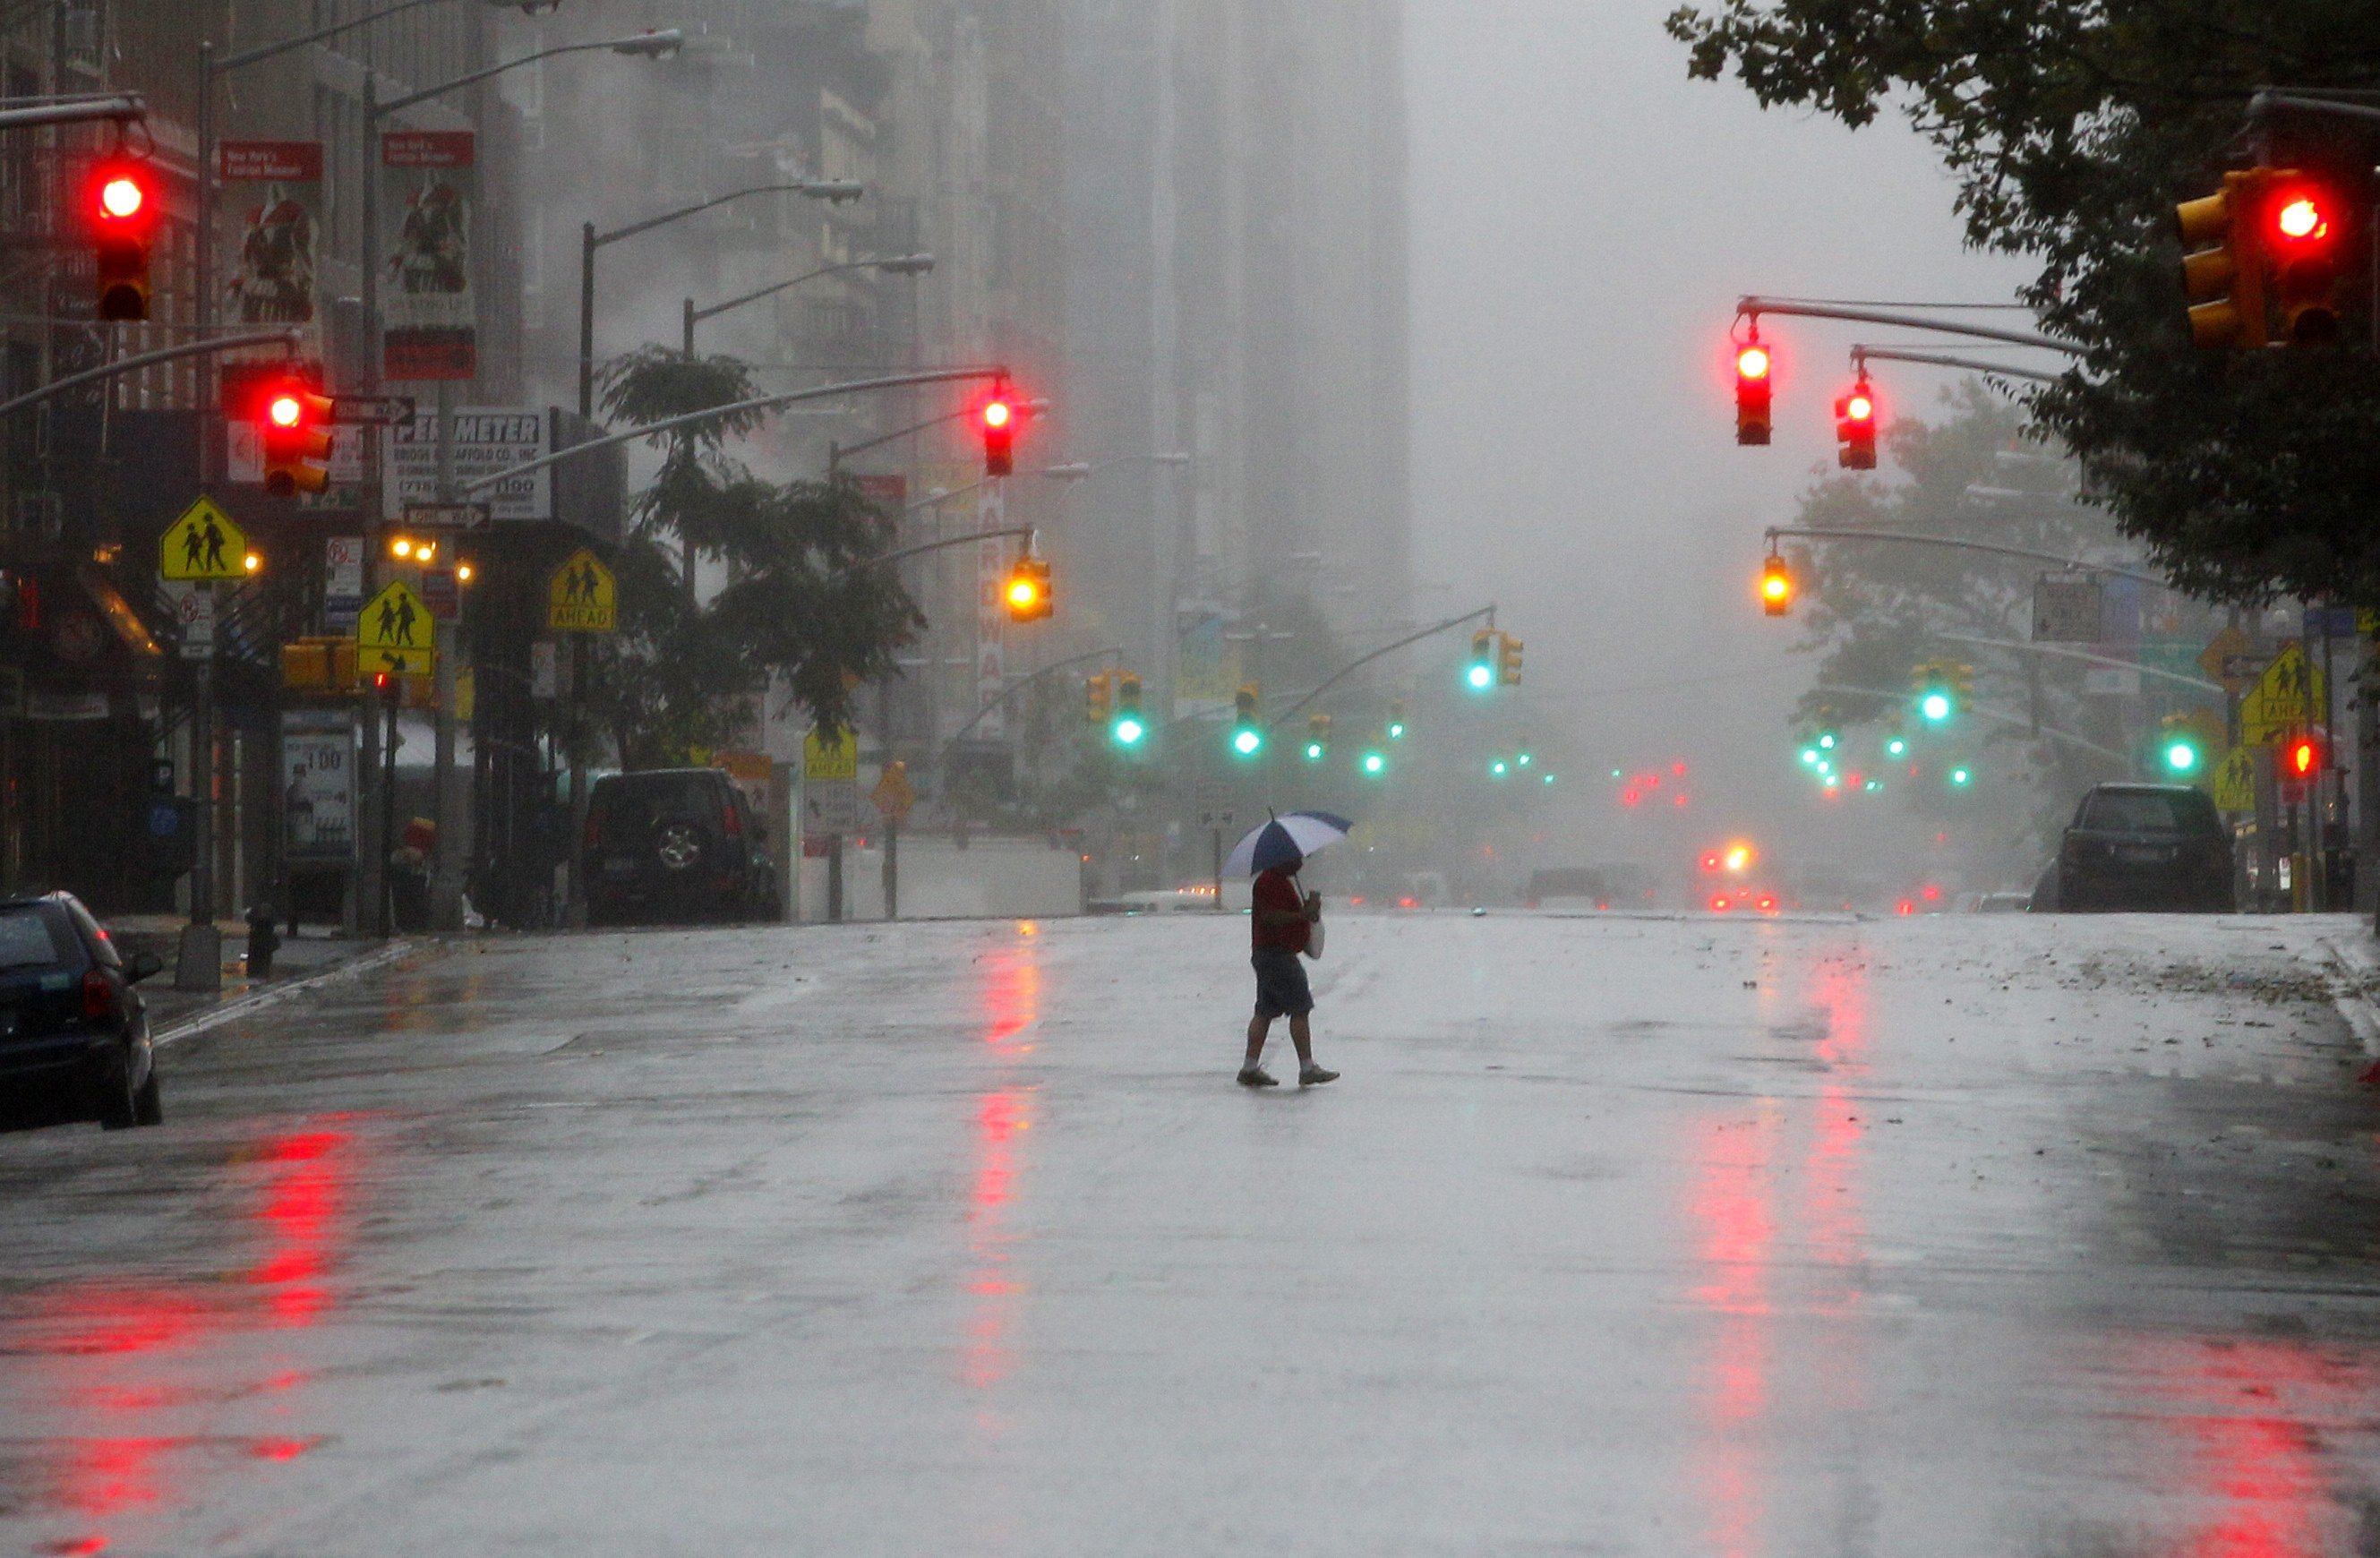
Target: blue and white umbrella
1283, 839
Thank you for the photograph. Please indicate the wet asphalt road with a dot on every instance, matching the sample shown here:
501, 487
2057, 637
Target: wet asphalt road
1945, 1237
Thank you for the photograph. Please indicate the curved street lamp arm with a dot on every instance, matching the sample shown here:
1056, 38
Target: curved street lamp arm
1755, 307
649, 223
266, 50
699, 314
288, 339
650, 42
1912, 539
1352, 666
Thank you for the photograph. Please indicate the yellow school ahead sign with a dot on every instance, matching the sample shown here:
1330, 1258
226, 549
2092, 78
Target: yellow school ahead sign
2290, 696
827, 761
203, 544
582, 596
395, 633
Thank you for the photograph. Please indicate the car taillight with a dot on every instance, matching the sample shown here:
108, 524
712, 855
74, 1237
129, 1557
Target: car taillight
730, 823
98, 999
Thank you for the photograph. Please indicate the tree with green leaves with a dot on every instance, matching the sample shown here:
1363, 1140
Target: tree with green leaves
2073, 127
804, 610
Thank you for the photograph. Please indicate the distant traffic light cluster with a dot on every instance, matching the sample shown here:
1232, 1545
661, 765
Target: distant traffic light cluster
1495, 661
1755, 389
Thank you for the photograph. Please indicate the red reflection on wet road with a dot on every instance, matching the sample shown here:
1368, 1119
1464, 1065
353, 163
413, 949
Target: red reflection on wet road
2246, 1422
1001, 1120
1735, 1163
118, 1374
1837, 1228
1012, 992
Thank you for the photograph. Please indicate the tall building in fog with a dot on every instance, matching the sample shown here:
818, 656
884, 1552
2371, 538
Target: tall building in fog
1237, 293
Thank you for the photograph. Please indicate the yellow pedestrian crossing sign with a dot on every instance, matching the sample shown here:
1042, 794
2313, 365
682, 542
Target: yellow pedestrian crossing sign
203, 544
2290, 696
395, 633
582, 597
2235, 781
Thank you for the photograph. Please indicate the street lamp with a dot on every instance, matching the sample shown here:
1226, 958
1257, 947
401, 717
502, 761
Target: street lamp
834, 190
896, 265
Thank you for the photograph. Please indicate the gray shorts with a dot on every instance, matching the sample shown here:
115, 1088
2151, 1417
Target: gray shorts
1281, 985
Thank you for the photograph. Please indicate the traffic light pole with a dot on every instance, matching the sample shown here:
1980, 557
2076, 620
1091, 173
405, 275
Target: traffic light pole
288, 339
1862, 356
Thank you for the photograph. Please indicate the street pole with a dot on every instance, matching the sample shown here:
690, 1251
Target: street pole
586, 320
892, 869
199, 964
446, 872
575, 889
389, 700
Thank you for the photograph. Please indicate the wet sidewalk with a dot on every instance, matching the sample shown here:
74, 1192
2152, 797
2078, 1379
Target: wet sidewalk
316, 950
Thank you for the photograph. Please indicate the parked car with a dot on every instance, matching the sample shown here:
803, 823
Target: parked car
2143, 847
671, 845
73, 1032
2006, 900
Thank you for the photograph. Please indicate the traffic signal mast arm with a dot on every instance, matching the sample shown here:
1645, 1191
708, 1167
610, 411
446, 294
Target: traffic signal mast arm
1754, 307
123, 107
1354, 665
938, 545
1862, 355
759, 403
1911, 538
2063, 653
289, 339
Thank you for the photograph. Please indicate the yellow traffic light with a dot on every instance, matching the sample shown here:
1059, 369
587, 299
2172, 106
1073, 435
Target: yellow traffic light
1776, 587
2223, 264
1027, 591
419, 549
1508, 662
1095, 699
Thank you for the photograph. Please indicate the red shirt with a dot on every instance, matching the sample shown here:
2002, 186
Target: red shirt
1276, 890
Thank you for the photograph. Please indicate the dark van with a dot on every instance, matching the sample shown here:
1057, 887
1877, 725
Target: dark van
2145, 846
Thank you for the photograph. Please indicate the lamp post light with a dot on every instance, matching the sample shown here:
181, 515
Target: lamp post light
896, 265
833, 191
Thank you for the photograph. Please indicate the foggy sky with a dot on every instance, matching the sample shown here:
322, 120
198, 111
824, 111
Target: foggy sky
1584, 219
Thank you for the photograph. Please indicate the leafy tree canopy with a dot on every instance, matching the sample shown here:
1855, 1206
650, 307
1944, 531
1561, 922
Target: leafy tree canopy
2074, 126
801, 610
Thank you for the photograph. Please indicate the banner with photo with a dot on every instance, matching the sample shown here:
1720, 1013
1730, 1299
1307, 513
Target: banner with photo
429, 195
273, 191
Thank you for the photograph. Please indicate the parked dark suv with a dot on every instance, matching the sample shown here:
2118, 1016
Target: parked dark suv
74, 1034
675, 844
2145, 846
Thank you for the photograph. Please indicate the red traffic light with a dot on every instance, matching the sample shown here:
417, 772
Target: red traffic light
283, 409
2301, 759
1752, 393
122, 218
997, 418
1858, 408
1855, 428
293, 433
2298, 217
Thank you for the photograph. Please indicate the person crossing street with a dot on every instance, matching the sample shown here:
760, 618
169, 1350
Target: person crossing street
1280, 924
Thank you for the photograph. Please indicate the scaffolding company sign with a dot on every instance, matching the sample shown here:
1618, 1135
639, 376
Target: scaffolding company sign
489, 441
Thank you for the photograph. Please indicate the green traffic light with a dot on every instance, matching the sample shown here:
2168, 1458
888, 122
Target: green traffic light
1497, 768
1481, 676
1937, 707
1247, 741
1525, 759
2181, 756
1375, 764
1961, 777
1396, 730
1809, 757
1314, 751
1826, 742
1550, 778
1128, 731
1896, 748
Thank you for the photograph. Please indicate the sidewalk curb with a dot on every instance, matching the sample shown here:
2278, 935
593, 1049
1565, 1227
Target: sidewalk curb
257, 1000
2355, 969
